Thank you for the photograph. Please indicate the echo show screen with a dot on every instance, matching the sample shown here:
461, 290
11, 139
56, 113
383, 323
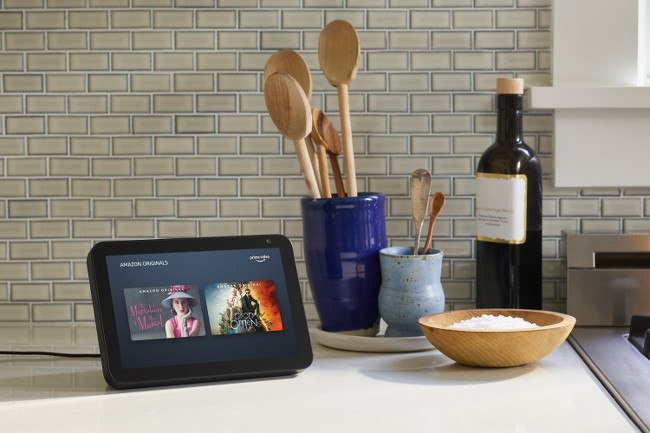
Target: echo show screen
195, 307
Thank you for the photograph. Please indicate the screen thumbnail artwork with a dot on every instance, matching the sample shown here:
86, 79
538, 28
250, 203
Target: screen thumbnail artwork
243, 307
164, 312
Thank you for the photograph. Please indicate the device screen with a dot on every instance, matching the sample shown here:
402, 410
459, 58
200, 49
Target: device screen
184, 308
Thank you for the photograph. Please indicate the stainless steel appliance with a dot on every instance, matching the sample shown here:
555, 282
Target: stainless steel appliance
608, 282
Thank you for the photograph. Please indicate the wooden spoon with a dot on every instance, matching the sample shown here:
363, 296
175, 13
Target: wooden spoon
327, 131
292, 63
436, 204
324, 134
291, 114
338, 55
321, 152
420, 188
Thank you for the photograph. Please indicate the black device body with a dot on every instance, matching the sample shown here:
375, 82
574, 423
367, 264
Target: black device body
131, 357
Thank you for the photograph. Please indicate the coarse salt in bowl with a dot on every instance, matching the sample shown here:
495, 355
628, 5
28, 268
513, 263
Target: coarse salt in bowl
490, 321
517, 337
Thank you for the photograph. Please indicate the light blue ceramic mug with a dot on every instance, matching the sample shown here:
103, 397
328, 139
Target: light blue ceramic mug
410, 288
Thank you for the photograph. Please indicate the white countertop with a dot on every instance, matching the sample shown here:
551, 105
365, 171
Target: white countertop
341, 391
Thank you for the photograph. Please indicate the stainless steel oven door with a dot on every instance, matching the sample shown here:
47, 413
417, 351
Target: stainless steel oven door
607, 297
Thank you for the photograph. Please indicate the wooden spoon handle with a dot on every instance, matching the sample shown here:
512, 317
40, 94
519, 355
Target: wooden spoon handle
312, 158
322, 169
336, 172
348, 147
307, 169
427, 242
436, 203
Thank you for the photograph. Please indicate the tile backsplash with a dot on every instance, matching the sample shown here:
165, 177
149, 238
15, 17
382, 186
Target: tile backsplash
126, 119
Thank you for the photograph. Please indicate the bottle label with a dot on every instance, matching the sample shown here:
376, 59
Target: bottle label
501, 207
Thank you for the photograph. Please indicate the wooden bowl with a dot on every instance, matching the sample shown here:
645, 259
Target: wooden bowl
497, 347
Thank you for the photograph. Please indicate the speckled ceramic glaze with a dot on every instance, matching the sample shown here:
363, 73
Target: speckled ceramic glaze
410, 289
342, 239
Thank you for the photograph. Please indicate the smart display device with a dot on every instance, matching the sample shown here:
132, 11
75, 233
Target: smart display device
189, 310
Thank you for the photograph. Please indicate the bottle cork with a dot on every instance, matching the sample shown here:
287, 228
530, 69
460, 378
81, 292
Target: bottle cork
510, 86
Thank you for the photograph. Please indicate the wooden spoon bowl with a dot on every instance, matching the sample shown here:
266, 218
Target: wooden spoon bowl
288, 106
323, 130
339, 52
292, 63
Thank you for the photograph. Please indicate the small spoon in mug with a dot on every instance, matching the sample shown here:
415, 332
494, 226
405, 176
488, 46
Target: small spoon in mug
291, 114
420, 188
435, 206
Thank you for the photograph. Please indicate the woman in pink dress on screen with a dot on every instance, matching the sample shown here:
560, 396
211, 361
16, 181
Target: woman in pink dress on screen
182, 324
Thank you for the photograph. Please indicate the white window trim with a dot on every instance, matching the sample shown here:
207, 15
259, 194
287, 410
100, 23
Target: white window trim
602, 107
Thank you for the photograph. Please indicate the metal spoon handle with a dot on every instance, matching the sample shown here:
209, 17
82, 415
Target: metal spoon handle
418, 230
420, 187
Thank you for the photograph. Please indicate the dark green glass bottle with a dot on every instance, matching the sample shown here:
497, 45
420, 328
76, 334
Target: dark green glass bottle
509, 212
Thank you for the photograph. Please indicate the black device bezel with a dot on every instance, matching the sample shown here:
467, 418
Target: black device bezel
105, 317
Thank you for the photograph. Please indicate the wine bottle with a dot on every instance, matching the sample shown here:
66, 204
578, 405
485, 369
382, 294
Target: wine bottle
509, 211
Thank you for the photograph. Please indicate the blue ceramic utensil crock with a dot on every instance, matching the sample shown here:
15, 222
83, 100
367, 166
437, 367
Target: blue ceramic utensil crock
410, 289
342, 239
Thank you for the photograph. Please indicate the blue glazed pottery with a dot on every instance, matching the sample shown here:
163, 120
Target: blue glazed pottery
410, 289
342, 239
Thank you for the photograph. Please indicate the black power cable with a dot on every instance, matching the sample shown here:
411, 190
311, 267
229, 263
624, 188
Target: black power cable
41, 353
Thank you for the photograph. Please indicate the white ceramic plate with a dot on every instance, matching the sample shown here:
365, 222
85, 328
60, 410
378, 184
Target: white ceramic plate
356, 343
